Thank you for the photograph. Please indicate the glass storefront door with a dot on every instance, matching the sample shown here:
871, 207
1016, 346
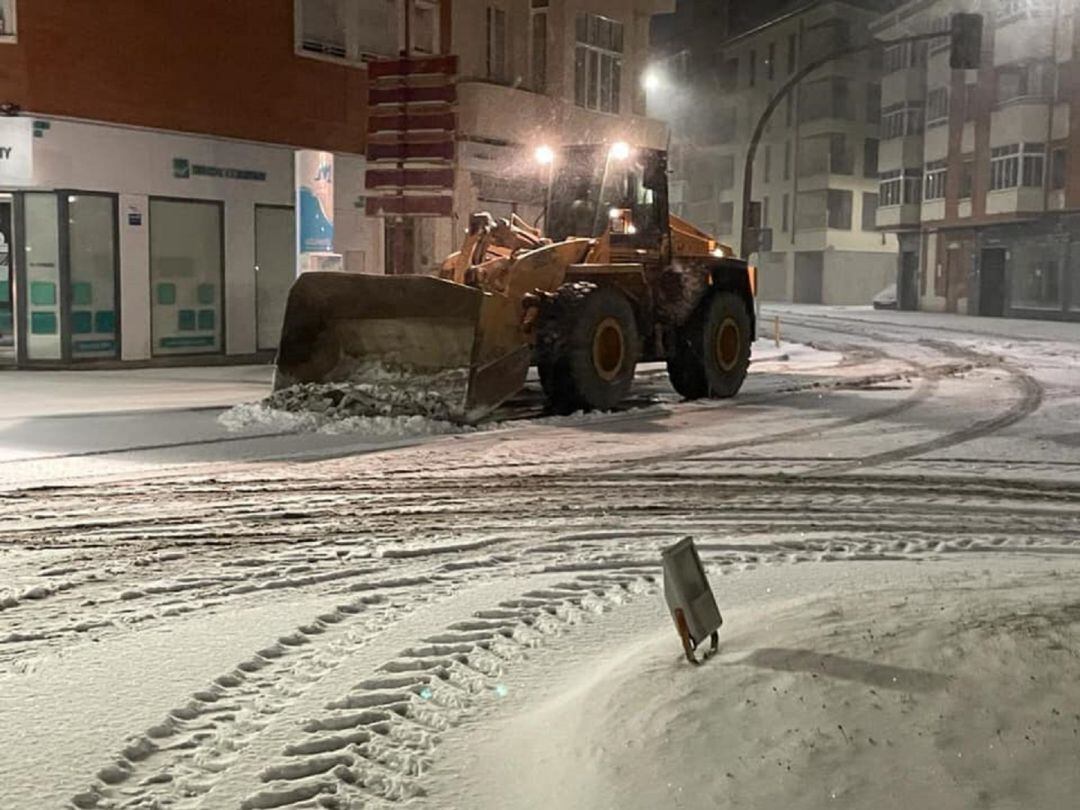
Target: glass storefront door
186, 276
275, 269
66, 267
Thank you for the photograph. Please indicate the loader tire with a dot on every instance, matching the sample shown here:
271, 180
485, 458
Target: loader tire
587, 348
711, 351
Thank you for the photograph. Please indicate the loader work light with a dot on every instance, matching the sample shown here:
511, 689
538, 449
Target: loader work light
690, 599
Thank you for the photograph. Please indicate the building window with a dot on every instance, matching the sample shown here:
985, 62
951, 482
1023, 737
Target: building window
751, 66
789, 109
1012, 10
598, 63
899, 120
496, 45
841, 159
785, 204
970, 99
873, 103
1032, 80
937, 107
7, 20
538, 42
903, 56
729, 74
765, 212
1057, 175
787, 160
811, 209
791, 54
727, 218
1011, 166
825, 98
935, 180
1036, 281
725, 172
899, 187
1033, 162
1004, 166
362, 30
770, 61
869, 211
870, 157
940, 23
839, 202
767, 161
967, 179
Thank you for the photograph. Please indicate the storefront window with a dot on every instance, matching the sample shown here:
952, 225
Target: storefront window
1036, 280
92, 321
42, 261
186, 276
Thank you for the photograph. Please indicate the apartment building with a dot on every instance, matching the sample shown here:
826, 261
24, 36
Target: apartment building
980, 169
815, 172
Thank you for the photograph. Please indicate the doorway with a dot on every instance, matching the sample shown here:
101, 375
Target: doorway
992, 282
907, 291
275, 269
7, 288
809, 269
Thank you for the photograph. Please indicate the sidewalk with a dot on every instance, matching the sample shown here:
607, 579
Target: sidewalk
29, 394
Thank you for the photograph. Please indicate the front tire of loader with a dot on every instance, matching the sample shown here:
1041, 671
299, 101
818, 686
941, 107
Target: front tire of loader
587, 348
711, 354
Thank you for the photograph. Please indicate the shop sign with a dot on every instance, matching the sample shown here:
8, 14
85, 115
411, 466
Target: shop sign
16, 151
184, 168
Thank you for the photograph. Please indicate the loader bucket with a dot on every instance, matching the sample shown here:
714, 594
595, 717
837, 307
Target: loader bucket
408, 338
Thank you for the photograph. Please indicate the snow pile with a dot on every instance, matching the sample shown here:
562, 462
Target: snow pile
379, 400
960, 697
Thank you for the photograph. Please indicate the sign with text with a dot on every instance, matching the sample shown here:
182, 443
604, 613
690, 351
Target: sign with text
16, 151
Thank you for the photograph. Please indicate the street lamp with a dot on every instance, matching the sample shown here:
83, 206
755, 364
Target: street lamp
545, 155
650, 80
620, 150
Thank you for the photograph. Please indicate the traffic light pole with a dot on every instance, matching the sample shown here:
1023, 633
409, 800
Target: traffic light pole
785, 88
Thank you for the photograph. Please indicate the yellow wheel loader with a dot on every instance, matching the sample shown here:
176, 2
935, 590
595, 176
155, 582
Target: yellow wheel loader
613, 280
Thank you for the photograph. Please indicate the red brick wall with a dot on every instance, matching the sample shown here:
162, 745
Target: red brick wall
221, 67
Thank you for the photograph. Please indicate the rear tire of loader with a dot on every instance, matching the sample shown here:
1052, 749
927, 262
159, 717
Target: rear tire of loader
587, 348
711, 354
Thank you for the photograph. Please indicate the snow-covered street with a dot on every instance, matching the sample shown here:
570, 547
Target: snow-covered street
201, 607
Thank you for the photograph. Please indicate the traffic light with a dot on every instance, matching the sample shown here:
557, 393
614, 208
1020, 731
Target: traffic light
965, 34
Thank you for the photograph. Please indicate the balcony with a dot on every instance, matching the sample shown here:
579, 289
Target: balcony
895, 217
932, 210
1025, 120
900, 153
1024, 37
1013, 200
936, 142
908, 84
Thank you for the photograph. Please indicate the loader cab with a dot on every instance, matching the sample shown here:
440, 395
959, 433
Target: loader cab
600, 187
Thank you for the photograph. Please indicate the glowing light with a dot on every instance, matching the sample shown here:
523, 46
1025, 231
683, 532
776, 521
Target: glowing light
620, 150
614, 213
545, 155
718, 252
631, 229
651, 80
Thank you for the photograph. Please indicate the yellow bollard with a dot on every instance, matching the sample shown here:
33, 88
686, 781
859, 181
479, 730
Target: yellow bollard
776, 330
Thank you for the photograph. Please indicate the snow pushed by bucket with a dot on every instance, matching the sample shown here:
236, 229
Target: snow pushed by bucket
377, 400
